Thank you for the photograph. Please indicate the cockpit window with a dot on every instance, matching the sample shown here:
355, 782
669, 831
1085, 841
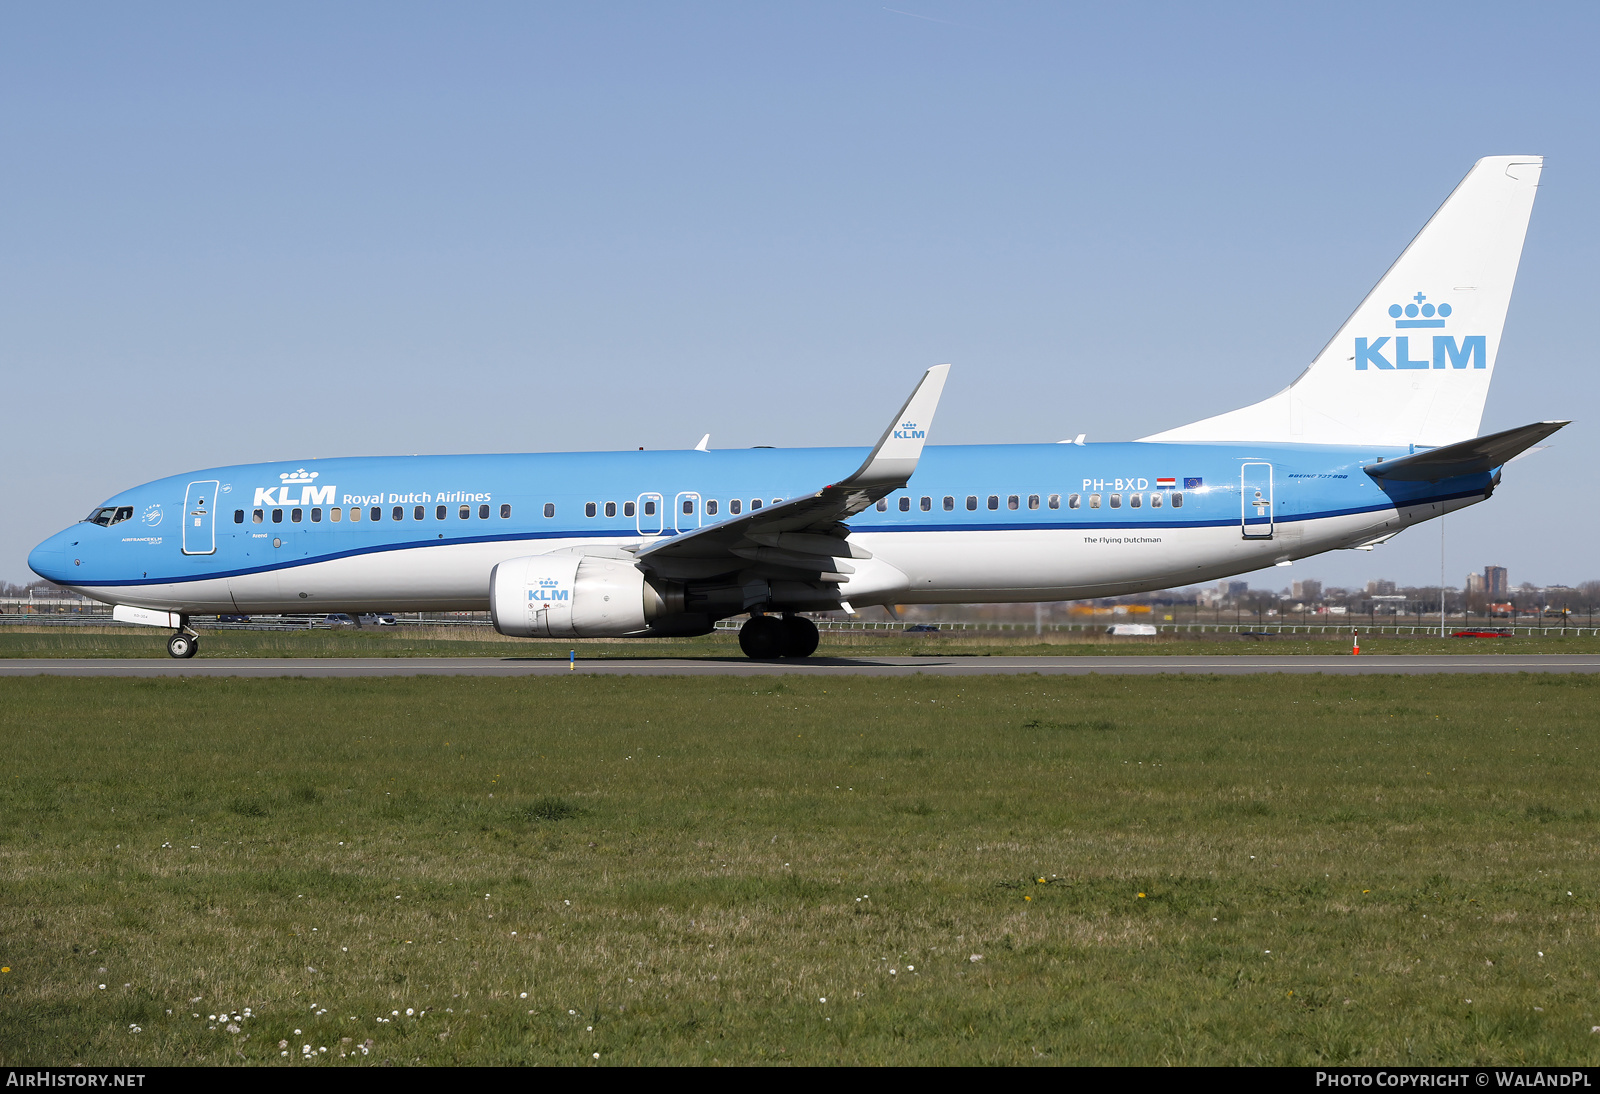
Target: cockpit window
107, 515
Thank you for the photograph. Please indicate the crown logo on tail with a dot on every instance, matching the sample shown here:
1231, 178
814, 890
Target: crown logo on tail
1419, 313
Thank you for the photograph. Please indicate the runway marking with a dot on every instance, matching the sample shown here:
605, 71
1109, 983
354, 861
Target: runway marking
1376, 664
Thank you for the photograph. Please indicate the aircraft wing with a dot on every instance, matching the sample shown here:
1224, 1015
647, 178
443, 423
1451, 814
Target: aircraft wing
1464, 457
804, 537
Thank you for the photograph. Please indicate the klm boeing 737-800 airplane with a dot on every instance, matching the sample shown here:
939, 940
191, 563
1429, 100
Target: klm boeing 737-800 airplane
1380, 432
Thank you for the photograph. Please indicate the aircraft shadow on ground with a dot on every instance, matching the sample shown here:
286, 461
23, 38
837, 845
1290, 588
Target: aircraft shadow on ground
818, 662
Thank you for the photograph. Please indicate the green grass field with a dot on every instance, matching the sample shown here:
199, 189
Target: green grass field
18, 641
1285, 870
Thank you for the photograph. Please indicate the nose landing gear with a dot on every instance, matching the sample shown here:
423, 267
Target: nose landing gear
183, 645
766, 637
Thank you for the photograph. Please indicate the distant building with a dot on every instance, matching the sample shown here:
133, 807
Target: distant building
1496, 582
1475, 585
1306, 590
1233, 588
1380, 587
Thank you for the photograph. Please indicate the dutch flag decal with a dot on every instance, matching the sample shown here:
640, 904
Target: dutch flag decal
1166, 484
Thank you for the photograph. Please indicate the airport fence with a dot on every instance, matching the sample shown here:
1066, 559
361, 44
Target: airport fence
97, 615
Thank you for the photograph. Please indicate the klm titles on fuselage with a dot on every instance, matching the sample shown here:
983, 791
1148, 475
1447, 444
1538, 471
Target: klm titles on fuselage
1471, 351
325, 495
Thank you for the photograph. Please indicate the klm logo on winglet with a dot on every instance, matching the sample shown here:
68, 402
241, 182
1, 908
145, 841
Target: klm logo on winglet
309, 494
908, 431
549, 591
1471, 351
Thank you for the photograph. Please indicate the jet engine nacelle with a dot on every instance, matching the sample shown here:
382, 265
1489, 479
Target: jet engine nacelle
571, 596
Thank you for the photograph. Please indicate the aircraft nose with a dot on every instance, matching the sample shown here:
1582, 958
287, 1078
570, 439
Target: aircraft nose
49, 559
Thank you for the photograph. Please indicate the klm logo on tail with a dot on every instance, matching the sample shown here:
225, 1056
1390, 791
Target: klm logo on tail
1471, 351
908, 431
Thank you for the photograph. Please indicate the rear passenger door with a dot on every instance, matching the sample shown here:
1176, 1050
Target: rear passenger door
1255, 500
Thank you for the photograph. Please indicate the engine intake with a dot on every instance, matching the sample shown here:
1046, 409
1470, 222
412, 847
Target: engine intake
574, 596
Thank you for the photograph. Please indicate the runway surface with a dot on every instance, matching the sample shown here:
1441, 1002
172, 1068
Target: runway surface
1377, 664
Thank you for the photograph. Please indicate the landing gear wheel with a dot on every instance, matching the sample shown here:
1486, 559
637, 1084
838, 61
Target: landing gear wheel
182, 645
799, 636
762, 638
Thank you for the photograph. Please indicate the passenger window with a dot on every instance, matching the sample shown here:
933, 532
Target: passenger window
949, 504
438, 512
483, 512
972, 502
905, 505
1155, 501
883, 505
277, 516
505, 512
1135, 500
355, 514
550, 508
316, 516
1094, 501
1033, 501
418, 513
377, 514
711, 508
335, 514
926, 505
1055, 501
611, 508
1177, 500
1116, 501
238, 516
1013, 501
255, 516
755, 503
399, 512
465, 513
589, 509
688, 506
994, 501
649, 509
735, 505
1074, 500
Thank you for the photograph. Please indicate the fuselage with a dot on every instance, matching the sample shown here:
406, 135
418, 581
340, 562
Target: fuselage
980, 523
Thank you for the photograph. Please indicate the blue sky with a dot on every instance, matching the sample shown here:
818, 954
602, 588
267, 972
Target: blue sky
235, 233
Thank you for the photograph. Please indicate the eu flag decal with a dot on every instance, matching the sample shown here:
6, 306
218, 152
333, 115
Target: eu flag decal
1193, 484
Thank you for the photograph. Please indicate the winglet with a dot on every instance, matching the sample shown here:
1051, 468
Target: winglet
895, 457
704, 445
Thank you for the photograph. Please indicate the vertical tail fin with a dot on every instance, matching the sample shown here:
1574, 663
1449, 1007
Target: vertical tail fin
1412, 364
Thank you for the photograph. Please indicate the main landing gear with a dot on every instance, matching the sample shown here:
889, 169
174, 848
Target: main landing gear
182, 645
766, 637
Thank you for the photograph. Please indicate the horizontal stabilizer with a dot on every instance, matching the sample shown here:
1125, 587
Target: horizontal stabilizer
1465, 457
